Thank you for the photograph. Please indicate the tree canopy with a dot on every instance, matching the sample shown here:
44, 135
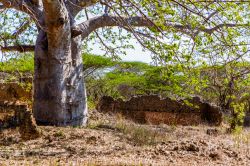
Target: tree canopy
182, 35
174, 31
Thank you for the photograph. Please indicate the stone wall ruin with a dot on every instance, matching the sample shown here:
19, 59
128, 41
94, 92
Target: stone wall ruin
154, 110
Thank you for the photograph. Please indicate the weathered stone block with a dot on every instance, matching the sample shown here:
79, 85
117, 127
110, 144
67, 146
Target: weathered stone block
13, 114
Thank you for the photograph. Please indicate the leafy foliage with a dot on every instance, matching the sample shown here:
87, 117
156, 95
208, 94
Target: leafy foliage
95, 61
23, 63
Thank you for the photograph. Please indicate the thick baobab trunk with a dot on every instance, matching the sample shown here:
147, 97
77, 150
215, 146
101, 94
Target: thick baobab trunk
59, 92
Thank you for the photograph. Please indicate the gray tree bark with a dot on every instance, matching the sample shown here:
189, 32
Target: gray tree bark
59, 92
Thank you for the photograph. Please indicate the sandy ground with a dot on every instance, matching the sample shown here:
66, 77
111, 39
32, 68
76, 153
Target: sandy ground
108, 141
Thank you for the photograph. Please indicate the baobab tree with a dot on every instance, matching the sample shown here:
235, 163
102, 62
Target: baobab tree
172, 30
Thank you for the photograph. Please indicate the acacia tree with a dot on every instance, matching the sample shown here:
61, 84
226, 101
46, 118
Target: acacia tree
173, 30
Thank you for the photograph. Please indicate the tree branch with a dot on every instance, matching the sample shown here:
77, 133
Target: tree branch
19, 48
83, 3
92, 24
22, 28
211, 30
24, 6
75, 6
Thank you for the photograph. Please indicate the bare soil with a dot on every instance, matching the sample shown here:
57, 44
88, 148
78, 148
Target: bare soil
109, 141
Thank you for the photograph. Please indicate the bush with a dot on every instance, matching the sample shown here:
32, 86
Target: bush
237, 117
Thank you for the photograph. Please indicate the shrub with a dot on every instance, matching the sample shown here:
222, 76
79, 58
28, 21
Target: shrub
237, 118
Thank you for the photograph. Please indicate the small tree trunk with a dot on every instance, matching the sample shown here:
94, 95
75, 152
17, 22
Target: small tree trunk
59, 92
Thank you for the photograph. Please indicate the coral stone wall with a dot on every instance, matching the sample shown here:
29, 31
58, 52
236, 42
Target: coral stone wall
154, 110
172, 118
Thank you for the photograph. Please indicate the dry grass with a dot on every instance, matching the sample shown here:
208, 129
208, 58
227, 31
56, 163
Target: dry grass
241, 138
139, 134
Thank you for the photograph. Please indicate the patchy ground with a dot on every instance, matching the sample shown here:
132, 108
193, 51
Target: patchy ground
111, 140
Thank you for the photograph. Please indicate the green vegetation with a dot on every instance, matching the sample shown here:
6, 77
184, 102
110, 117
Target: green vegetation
225, 85
24, 63
95, 61
238, 114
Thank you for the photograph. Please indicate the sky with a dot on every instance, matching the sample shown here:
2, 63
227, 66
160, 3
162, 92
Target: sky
136, 54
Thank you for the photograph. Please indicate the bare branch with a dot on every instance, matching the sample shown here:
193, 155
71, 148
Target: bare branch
75, 6
190, 10
83, 3
22, 28
211, 15
18, 48
23, 6
140, 33
92, 24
